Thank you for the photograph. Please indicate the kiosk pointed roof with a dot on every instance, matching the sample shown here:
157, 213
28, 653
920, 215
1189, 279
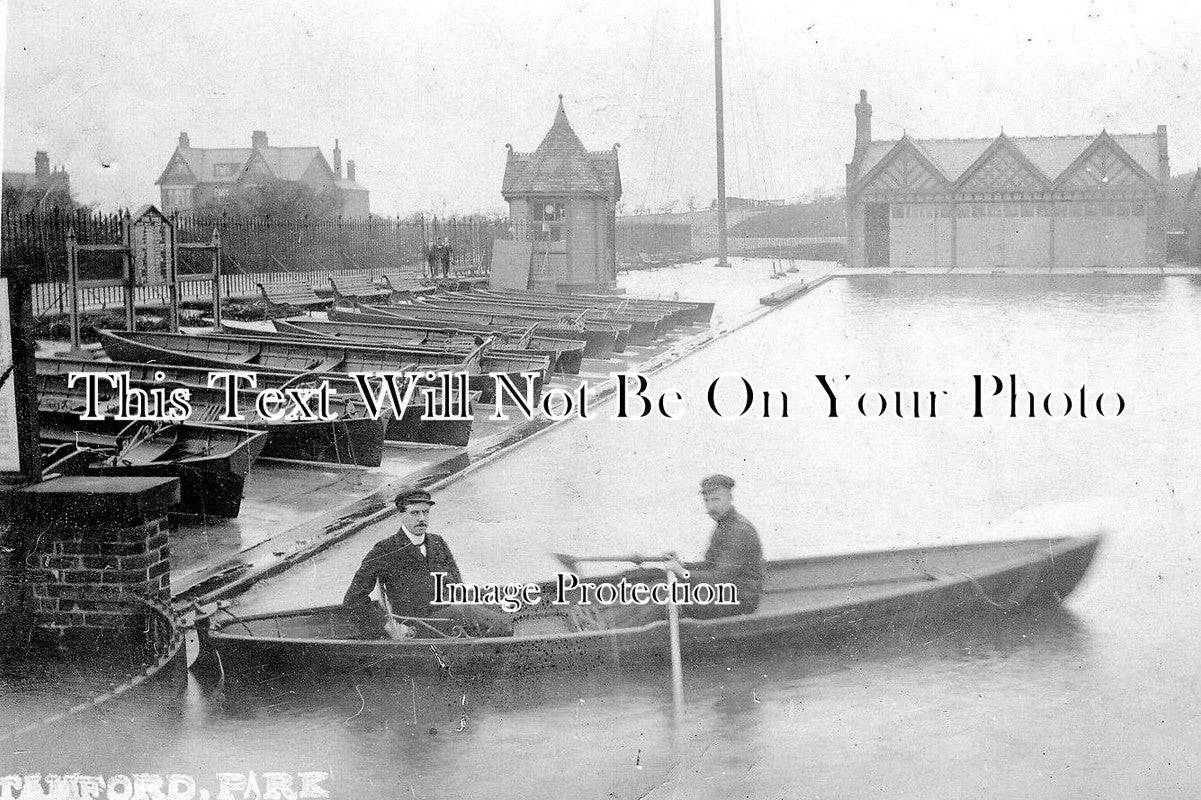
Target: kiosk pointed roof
561, 165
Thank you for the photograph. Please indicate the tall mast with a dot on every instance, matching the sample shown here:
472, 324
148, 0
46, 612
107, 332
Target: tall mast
722, 260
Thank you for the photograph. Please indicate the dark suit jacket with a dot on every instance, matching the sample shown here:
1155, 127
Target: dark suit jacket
734, 556
398, 565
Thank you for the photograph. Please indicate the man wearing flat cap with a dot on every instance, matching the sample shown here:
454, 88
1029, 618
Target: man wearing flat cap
403, 566
734, 554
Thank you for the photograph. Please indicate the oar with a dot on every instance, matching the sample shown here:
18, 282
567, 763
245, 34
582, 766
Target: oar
673, 613
570, 562
523, 343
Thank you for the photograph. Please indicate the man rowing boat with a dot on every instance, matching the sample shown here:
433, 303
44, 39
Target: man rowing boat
403, 566
734, 557
734, 554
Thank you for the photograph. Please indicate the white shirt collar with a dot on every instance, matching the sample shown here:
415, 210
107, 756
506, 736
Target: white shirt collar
418, 541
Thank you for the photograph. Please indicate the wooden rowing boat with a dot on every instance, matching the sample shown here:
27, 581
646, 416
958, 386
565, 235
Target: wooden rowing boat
675, 314
409, 427
807, 602
482, 359
696, 311
659, 320
354, 438
211, 461
643, 331
269, 351
601, 339
566, 355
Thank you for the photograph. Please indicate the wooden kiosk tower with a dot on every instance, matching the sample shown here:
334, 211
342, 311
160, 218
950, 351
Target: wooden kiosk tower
562, 200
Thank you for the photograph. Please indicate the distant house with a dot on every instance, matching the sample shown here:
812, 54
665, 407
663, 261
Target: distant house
41, 190
1097, 200
1192, 218
355, 197
199, 176
563, 197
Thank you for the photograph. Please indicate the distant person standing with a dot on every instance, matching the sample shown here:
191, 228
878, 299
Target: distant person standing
431, 258
447, 252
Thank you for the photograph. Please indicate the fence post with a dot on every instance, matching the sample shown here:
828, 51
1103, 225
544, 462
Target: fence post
370, 265
131, 315
216, 279
173, 276
267, 242
77, 350
343, 243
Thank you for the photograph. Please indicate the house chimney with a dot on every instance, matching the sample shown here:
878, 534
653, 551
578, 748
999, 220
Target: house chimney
350, 169
258, 139
863, 124
337, 161
183, 139
41, 164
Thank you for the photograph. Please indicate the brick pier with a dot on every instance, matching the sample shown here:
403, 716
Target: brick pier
95, 550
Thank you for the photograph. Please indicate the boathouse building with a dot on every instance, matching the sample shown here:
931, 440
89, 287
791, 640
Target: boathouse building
562, 198
1042, 202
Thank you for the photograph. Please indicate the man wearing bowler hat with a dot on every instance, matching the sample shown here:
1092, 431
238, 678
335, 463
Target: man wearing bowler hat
402, 565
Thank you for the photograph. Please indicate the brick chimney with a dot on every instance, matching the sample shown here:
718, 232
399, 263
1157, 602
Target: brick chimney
350, 169
183, 139
863, 124
41, 164
337, 161
1161, 140
258, 139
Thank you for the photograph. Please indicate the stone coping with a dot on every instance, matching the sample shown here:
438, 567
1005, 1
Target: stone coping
84, 499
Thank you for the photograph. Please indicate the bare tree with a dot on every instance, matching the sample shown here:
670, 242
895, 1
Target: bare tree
281, 200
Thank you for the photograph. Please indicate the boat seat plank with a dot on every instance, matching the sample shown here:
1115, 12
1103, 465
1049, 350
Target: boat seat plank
328, 365
407, 284
291, 293
357, 287
147, 453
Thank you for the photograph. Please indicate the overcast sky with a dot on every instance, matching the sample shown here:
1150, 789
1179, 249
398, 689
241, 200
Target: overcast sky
424, 96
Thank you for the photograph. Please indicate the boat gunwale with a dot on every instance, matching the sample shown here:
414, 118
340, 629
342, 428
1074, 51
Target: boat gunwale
1059, 545
500, 348
348, 350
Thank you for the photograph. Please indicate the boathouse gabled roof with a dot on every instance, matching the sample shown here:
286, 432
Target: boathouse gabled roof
562, 165
1052, 156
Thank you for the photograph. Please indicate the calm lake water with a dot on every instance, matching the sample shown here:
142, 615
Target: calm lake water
1100, 699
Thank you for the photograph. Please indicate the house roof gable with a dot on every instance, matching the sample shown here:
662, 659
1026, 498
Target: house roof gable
291, 163
33, 189
1003, 166
1101, 143
1052, 156
900, 150
1194, 189
178, 158
283, 163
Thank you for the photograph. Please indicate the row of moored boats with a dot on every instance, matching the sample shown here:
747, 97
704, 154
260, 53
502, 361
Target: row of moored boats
481, 333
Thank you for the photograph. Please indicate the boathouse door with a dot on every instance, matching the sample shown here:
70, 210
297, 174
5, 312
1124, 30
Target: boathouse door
875, 234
